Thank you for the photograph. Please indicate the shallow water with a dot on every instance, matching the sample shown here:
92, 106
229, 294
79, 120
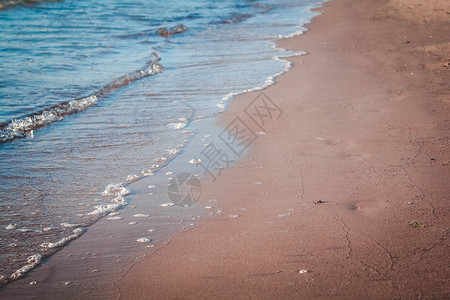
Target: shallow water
58, 156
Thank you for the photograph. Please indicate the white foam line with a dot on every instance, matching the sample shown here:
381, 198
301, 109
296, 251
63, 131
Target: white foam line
132, 177
107, 208
69, 225
270, 80
140, 216
18, 127
35, 260
32, 261
76, 233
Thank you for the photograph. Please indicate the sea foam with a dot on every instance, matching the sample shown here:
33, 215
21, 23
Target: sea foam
115, 189
32, 262
76, 233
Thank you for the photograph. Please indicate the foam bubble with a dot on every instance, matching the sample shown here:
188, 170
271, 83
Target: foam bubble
147, 172
177, 126
160, 159
144, 240
132, 177
221, 106
229, 96
115, 189
195, 161
11, 226
140, 216
173, 152
119, 200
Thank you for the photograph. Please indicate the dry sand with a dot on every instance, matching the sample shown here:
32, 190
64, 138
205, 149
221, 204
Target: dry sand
365, 129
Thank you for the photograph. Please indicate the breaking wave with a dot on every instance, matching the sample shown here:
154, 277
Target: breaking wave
18, 128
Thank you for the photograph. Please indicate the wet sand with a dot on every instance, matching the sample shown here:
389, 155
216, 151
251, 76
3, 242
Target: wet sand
346, 194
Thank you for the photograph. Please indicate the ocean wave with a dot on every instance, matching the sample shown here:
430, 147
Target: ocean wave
237, 17
22, 127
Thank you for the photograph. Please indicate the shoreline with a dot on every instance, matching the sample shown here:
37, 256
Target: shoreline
142, 188
68, 270
345, 195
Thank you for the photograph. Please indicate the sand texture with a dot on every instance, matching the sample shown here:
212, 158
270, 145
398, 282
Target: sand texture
346, 196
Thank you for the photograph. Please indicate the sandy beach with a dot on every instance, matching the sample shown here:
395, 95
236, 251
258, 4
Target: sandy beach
345, 192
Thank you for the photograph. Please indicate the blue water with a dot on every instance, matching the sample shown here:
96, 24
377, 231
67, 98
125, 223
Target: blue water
84, 102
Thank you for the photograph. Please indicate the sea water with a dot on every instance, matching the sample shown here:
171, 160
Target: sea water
94, 95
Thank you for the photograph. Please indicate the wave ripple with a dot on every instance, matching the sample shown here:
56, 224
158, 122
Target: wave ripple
21, 127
